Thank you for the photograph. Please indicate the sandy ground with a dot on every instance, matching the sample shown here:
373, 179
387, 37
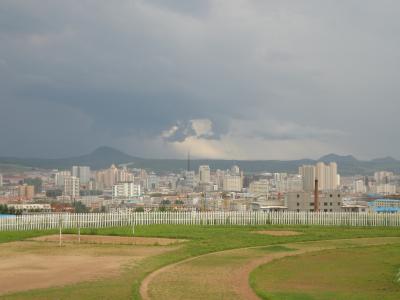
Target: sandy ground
225, 274
27, 265
279, 232
101, 239
32, 271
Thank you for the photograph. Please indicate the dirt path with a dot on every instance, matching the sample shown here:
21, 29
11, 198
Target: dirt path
239, 279
229, 279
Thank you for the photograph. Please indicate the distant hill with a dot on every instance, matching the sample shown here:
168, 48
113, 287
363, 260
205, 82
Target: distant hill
103, 157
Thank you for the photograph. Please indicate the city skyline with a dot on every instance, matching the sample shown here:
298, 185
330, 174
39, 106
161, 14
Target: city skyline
202, 149
237, 79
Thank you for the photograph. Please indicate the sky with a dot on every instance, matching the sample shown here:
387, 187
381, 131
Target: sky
237, 79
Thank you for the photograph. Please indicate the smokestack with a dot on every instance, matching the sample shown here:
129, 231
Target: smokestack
316, 195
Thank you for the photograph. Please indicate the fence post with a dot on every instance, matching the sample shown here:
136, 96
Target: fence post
60, 224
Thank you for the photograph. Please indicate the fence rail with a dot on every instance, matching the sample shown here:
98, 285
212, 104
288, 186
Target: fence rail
99, 220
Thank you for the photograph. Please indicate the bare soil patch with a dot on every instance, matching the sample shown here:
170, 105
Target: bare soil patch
102, 239
26, 272
28, 265
279, 232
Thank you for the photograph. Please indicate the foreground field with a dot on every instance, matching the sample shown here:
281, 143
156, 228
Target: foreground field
224, 275
139, 262
360, 273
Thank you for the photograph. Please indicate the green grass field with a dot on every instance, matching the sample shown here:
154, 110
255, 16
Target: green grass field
359, 273
201, 240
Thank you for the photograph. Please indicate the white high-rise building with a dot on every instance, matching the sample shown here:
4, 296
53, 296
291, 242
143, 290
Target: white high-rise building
60, 176
126, 190
232, 183
75, 171
71, 186
82, 172
152, 182
190, 179
1, 179
259, 187
308, 174
235, 170
204, 174
359, 186
383, 177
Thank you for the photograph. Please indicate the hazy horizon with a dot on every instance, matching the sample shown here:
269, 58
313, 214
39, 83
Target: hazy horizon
185, 156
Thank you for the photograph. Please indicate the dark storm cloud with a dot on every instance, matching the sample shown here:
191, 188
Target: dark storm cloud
107, 72
196, 8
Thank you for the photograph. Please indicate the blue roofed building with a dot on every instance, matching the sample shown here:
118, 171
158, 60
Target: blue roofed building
384, 206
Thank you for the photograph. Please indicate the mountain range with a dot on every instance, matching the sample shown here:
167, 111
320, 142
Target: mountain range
103, 157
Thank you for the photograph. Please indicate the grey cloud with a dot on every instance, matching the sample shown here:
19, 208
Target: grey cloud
131, 70
196, 8
198, 128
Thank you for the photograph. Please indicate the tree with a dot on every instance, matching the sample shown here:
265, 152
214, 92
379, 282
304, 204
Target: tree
53, 193
80, 207
162, 208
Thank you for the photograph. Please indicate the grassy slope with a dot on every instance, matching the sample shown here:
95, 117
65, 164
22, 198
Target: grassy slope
202, 240
11, 236
354, 274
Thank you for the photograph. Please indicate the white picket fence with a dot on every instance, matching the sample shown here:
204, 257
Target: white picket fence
98, 220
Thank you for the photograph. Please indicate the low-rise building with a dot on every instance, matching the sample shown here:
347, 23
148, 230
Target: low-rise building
31, 207
304, 201
384, 206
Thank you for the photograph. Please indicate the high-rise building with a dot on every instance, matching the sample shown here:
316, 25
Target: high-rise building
218, 178
1, 180
383, 177
327, 176
75, 171
190, 180
232, 183
124, 175
26, 191
82, 172
204, 174
359, 186
308, 174
108, 177
235, 170
152, 182
60, 176
71, 186
233, 180
126, 190
259, 187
